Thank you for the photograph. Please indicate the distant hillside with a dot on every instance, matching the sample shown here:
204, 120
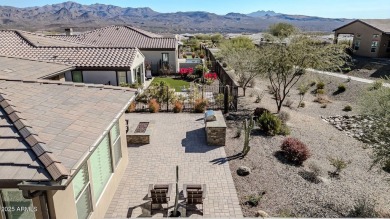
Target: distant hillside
85, 17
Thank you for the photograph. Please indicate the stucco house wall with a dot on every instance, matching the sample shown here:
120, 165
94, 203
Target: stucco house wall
156, 56
62, 204
365, 34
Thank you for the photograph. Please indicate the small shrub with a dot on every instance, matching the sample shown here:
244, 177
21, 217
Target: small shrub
284, 130
224, 64
341, 88
184, 56
132, 107
193, 55
154, 107
270, 123
201, 56
288, 103
284, 116
295, 151
320, 85
339, 165
253, 200
312, 83
200, 105
178, 107
259, 111
324, 105
347, 108
322, 99
320, 91
302, 104
364, 208
376, 85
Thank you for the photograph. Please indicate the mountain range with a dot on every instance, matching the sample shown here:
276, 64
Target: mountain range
80, 17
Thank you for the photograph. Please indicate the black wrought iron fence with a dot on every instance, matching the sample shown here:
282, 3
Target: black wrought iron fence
189, 99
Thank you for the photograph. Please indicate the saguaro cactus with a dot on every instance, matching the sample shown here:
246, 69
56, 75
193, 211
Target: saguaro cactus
248, 126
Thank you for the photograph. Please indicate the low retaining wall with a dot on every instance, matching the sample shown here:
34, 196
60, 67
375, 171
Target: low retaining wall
139, 138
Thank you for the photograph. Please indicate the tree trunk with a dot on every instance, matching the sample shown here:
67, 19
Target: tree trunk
244, 89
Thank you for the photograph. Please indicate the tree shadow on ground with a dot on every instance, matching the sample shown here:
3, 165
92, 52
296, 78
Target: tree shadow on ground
195, 142
223, 160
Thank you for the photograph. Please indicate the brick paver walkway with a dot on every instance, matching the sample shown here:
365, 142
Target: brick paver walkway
176, 139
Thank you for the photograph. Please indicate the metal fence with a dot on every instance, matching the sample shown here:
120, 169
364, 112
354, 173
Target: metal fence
167, 98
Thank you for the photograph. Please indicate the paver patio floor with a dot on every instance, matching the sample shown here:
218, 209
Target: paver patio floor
176, 139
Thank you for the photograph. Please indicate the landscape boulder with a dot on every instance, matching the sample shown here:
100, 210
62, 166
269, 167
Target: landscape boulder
261, 213
243, 171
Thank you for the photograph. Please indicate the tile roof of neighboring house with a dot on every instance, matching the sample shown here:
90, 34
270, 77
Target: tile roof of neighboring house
15, 45
123, 36
18, 68
40, 40
17, 159
61, 122
379, 24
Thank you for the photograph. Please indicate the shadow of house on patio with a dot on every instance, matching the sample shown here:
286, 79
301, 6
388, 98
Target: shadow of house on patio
195, 142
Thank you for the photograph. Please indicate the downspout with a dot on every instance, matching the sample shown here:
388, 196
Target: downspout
27, 194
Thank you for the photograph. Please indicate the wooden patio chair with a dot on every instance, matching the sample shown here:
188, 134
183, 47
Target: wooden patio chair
159, 194
194, 194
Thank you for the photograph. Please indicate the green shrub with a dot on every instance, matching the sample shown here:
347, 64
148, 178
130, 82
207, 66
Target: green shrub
270, 123
200, 105
320, 91
364, 208
376, 85
302, 104
339, 164
259, 111
254, 200
284, 130
320, 85
341, 88
347, 108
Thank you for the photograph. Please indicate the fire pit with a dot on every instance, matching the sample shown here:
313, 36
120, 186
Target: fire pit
139, 133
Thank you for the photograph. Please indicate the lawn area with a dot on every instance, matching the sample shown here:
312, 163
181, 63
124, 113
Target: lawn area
173, 83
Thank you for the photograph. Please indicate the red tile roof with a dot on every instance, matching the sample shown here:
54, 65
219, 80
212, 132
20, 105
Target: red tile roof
123, 36
13, 44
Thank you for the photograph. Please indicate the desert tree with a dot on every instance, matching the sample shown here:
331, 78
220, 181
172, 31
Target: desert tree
245, 63
375, 103
282, 30
284, 64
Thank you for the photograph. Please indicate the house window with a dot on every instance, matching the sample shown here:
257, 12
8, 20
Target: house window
388, 46
374, 45
15, 205
77, 76
116, 143
358, 35
122, 78
82, 193
165, 58
101, 167
375, 36
356, 45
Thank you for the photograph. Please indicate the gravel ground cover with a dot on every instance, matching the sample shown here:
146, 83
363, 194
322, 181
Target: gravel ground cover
283, 188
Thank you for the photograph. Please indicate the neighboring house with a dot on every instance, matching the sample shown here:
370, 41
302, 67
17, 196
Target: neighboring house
63, 148
371, 37
158, 50
92, 64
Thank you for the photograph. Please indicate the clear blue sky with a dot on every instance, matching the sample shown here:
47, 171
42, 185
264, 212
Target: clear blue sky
325, 8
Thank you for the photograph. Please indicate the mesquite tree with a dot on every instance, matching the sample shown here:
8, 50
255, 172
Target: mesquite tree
284, 64
376, 104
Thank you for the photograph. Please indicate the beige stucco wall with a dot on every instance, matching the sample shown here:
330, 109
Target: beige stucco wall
63, 205
156, 56
139, 59
366, 37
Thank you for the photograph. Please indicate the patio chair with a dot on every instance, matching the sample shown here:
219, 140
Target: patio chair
194, 194
159, 194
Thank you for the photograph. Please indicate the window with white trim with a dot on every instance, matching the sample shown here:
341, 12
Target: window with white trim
122, 79
356, 45
82, 193
101, 167
116, 143
374, 45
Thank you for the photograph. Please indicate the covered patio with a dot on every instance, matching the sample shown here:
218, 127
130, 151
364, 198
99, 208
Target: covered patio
176, 139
